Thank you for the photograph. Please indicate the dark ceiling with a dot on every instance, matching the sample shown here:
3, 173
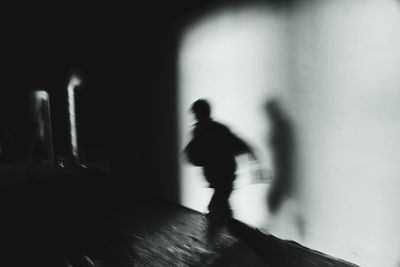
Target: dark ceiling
40, 45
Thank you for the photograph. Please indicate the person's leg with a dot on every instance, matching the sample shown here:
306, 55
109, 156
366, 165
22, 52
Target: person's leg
212, 206
223, 206
219, 204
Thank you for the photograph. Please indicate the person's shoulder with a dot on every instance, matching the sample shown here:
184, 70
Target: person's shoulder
220, 127
212, 125
217, 124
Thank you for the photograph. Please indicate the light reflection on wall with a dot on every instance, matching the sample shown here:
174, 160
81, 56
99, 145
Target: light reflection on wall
223, 58
73, 83
345, 63
334, 64
41, 113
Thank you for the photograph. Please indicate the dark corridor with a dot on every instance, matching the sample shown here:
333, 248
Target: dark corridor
109, 208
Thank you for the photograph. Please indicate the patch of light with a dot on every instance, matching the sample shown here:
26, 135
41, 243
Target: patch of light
340, 63
223, 58
74, 82
40, 94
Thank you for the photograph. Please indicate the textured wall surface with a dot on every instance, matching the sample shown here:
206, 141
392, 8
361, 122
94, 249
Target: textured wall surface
330, 70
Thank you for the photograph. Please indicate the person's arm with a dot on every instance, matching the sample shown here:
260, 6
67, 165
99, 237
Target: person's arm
257, 170
195, 151
242, 147
251, 153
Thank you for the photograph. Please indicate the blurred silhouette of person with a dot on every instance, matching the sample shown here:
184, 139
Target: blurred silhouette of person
282, 142
214, 147
282, 145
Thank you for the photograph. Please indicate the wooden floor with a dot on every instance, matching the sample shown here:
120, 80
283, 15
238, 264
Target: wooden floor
55, 225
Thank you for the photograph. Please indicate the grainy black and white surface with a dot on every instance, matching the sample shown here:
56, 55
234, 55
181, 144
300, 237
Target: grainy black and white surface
333, 66
175, 236
83, 225
167, 235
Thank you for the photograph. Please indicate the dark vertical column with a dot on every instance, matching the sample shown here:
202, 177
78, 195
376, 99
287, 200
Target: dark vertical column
59, 111
155, 112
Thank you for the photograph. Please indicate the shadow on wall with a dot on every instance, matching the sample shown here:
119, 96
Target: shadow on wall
282, 144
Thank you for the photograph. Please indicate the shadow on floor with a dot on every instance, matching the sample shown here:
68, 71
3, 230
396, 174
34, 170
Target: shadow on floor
276, 252
49, 228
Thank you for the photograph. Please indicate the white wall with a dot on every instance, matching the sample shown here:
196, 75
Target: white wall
334, 66
345, 63
223, 58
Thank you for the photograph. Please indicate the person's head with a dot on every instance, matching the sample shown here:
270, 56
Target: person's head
201, 110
